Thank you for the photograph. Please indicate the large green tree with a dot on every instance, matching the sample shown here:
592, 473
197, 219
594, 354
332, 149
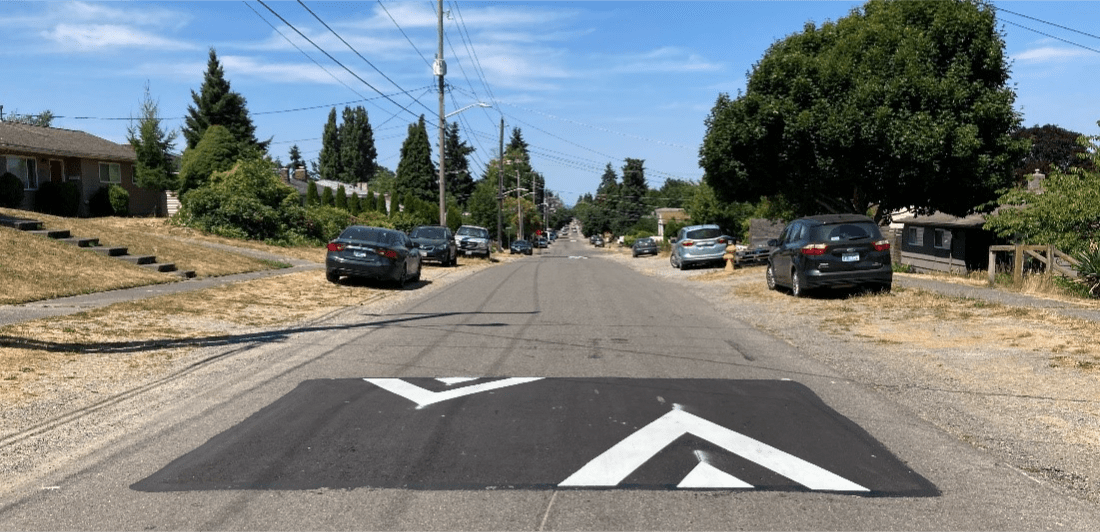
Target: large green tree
329, 163
416, 171
459, 181
899, 104
153, 167
632, 195
216, 104
357, 150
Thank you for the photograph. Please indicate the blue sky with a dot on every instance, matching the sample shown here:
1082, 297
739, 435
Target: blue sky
588, 83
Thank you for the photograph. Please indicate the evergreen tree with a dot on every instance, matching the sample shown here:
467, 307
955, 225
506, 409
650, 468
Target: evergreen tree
153, 168
356, 148
632, 193
459, 181
327, 199
517, 144
354, 204
312, 198
217, 151
329, 158
295, 160
217, 104
416, 172
341, 201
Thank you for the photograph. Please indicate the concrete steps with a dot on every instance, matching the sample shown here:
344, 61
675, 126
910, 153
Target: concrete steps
121, 253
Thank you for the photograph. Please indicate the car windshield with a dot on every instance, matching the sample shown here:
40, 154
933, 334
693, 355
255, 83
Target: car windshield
704, 233
473, 231
845, 232
376, 235
644, 242
428, 232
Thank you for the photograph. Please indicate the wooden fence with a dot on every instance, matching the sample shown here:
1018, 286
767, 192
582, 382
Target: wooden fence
1055, 261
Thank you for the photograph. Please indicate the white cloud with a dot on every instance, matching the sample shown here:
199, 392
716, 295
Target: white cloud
667, 59
133, 14
1051, 53
96, 37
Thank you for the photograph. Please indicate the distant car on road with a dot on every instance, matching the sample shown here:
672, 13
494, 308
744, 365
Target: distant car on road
437, 244
698, 244
520, 246
832, 250
644, 246
542, 242
373, 253
472, 240
597, 241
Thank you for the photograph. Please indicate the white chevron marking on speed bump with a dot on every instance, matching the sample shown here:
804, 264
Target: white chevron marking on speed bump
423, 397
623, 458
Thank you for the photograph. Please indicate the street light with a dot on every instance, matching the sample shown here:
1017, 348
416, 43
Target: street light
442, 135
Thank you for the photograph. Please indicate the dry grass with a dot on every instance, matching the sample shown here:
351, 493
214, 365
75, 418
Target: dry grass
925, 320
136, 337
36, 268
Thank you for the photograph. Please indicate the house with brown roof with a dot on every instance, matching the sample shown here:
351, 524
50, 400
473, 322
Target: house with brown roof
37, 155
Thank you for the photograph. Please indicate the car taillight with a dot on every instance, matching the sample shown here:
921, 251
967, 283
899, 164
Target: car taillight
814, 249
336, 246
687, 243
881, 245
388, 253
721, 240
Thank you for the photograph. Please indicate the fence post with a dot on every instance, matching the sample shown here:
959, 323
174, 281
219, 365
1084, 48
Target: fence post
992, 266
1050, 261
1018, 265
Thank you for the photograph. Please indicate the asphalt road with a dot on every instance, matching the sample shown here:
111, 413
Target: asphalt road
561, 391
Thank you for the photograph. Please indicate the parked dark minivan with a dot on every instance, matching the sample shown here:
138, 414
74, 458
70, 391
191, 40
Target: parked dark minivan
830, 250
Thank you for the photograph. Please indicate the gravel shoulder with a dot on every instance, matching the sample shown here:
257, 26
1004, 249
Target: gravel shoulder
1015, 375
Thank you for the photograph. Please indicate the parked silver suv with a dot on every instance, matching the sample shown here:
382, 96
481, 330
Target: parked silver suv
698, 244
473, 240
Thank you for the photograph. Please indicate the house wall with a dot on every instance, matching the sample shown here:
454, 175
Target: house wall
968, 249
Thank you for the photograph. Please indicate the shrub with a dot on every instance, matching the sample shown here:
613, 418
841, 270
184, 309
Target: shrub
11, 191
99, 204
59, 199
1089, 270
120, 200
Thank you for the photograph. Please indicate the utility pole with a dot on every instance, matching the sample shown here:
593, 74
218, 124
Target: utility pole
440, 68
519, 207
500, 188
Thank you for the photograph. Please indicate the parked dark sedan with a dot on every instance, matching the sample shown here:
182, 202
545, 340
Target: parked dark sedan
520, 246
373, 253
643, 246
832, 250
437, 244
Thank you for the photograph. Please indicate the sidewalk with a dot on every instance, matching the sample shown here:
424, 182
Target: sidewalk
993, 295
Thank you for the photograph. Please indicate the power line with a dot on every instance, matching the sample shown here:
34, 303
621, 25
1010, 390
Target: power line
352, 48
334, 60
383, 6
1053, 37
998, 8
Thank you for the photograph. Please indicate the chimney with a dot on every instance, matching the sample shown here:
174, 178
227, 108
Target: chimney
300, 173
1035, 183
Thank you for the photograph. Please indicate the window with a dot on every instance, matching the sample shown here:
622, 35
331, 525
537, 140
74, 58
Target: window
942, 239
25, 169
915, 236
110, 173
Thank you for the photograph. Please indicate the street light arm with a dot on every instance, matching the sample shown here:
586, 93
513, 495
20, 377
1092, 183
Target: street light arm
478, 104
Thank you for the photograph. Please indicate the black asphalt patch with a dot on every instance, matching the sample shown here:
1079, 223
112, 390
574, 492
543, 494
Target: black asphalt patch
560, 433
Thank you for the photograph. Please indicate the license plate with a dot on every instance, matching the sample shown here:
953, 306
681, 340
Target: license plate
850, 257
468, 253
360, 253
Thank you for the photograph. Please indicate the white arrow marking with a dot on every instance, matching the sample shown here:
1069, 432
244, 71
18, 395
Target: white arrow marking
449, 381
616, 463
423, 397
707, 476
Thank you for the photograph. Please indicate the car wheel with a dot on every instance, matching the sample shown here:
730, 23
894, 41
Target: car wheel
403, 278
770, 276
672, 261
797, 288
332, 277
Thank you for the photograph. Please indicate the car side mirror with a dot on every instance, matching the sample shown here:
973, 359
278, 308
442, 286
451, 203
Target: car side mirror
773, 243
672, 240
